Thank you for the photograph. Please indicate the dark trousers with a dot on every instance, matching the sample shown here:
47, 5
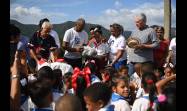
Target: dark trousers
74, 62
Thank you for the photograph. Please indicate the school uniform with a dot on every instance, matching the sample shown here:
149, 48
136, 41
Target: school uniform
94, 79
120, 103
108, 107
143, 103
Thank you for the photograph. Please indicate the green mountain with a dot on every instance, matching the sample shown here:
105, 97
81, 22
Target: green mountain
29, 29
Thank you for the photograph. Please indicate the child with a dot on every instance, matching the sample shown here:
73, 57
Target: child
93, 76
168, 70
57, 86
80, 81
97, 97
68, 102
147, 101
107, 74
135, 78
123, 71
67, 83
41, 95
120, 87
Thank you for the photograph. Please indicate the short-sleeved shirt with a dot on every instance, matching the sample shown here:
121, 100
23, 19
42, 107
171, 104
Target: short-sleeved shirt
172, 47
160, 53
145, 36
54, 34
115, 45
45, 43
142, 104
75, 39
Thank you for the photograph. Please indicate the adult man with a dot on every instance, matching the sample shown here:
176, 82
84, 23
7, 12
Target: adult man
42, 42
53, 33
142, 52
73, 42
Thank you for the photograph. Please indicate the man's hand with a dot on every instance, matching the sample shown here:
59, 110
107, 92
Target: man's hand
79, 49
140, 46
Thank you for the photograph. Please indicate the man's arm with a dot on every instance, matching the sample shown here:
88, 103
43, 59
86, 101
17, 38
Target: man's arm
154, 42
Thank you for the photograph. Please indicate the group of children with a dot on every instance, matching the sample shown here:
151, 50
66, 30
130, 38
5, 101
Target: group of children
82, 89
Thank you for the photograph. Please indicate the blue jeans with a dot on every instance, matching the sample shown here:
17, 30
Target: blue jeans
131, 68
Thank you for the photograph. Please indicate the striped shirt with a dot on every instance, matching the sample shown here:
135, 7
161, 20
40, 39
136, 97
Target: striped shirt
146, 36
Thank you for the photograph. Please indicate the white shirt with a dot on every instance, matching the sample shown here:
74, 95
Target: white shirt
56, 96
75, 39
115, 45
142, 104
106, 107
54, 34
102, 49
172, 47
64, 67
135, 78
121, 105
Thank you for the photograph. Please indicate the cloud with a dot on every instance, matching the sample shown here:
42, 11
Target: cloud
125, 17
118, 4
33, 15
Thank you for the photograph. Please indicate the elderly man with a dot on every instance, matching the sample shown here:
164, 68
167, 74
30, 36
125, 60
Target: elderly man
143, 52
73, 42
42, 42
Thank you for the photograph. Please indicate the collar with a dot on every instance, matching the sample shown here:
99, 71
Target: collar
108, 107
116, 97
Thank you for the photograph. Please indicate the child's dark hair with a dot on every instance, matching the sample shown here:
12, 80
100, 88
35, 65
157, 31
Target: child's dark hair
92, 67
45, 73
117, 78
98, 91
44, 54
170, 103
58, 77
148, 82
67, 75
98, 29
38, 90
68, 102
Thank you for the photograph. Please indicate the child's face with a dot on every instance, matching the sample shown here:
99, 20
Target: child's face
90, 105
68, 83
168, 72
122, 89
124, 72
105, 77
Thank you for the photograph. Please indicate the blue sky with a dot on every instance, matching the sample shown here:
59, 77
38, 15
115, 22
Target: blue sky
103, 12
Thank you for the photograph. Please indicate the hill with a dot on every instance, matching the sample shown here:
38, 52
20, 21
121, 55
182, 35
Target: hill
29, 29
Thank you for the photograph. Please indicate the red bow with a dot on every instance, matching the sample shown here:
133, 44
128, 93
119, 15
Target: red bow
85, 73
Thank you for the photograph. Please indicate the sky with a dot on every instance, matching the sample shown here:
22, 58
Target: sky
103, 12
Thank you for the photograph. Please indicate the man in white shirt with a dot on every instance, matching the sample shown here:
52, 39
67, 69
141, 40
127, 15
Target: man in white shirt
74, 40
